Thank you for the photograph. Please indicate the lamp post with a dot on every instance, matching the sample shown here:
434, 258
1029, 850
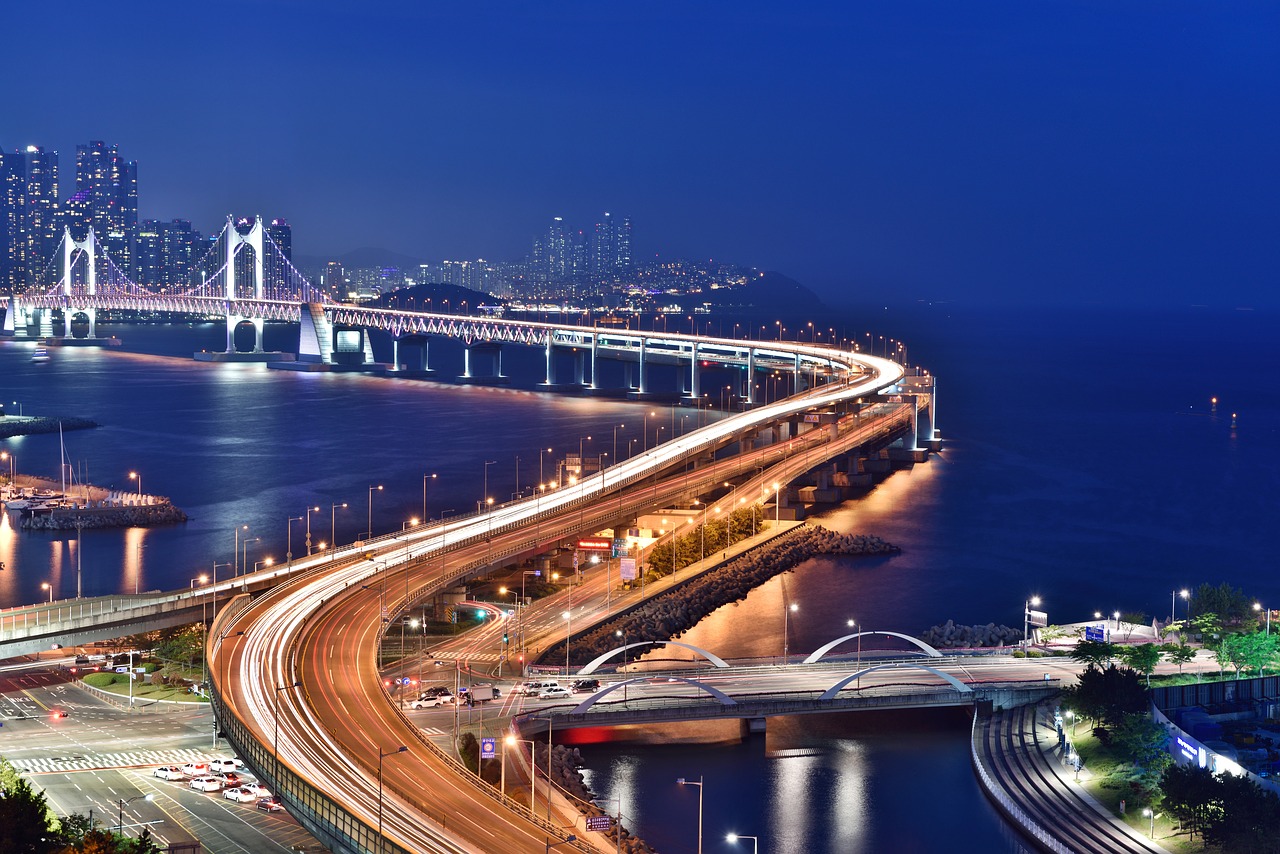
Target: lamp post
734, 837
235, 552
853, 624
369, 533
1173, 603
541, 472
310, 510
582, 467
275, 725
614, 458
44, 585
382, 756
244, 553
425, 478
683, 782
333, 523
124, 802
787, 610
487, 463
1150, 814
288, 556
1186, 596
1257, 606
5, 455
568, 630
133, 475
1026, 620
512, 741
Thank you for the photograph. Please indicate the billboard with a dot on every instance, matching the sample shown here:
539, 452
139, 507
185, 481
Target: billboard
1038, 618
596, 544
627, 567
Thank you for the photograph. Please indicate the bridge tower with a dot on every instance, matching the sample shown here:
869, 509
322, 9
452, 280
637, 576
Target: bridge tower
90, 248
233, 239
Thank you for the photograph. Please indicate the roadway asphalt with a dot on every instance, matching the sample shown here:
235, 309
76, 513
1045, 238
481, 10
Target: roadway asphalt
98, 755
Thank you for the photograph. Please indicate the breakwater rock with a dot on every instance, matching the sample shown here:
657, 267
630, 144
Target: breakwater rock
671, 613
565, 763
951, 636
17, 426
131, 516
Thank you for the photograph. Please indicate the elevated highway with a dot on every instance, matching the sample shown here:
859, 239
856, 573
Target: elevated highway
296, 680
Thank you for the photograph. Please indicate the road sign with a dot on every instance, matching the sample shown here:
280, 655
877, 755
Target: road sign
627, 568
404, 680
596, 544
488, 748
1038, 618
1095, 633
599, 823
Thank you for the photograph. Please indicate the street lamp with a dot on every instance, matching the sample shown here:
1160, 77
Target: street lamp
1257, 606
425, 478
1034, 601
382, 756
133, 475
582, 468
369, 533
568, 629
512, 741
1149, 813
235, 552
1186, 595
124, 802
275, 726
487, 463
44, 585
786, 621
683, 782
5, 455
614, 458
733, 838
333, 523
541, 472
244, 552
310, 510
289, 545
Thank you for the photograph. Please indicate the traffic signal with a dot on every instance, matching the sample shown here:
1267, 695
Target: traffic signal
504, 637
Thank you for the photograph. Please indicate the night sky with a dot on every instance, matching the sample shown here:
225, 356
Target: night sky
1023, 151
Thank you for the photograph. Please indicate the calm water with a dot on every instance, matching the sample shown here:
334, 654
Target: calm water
1082, 464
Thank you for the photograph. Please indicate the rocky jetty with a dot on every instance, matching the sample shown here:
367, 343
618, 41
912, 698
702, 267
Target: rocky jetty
951, 636
565, 763
671, 613
29, 426
129, 516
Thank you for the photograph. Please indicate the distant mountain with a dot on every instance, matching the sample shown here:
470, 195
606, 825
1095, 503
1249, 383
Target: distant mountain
769, 292
436, 297
365, 258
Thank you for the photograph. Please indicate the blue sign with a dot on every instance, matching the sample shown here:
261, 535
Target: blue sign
404, 680
488, 748
1095, 633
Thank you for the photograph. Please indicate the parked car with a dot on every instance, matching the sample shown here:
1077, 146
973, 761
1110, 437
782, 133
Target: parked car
205, 784
168, 772
258, 790
231, 779
270, 805
240, 795
195, 769
557, 692
225, 765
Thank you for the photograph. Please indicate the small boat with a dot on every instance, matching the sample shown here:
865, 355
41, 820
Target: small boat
40, 355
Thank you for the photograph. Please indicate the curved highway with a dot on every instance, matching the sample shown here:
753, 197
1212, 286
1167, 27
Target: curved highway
299, 666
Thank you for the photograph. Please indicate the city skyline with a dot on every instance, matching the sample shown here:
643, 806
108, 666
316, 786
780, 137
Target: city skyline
1003, 154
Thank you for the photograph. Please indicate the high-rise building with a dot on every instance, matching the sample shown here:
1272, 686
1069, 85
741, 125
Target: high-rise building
29, 221
556, 255
106, 199
276, 264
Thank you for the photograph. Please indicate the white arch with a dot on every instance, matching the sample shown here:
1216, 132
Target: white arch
830, 693
823, 650
581, 708
593, 665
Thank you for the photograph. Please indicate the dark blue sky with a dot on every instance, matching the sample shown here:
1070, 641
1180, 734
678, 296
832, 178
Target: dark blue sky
1014, 151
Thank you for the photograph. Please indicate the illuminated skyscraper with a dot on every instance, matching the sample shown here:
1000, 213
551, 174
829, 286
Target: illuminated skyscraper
29, 221
106, 199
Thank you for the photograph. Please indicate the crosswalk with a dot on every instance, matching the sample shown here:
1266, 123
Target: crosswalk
97, 761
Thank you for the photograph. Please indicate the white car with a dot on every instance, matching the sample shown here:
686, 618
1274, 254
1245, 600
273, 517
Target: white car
206, 784
194, 769
257, 790
556, 692
168, 772
240, 794
224, 765
431, 702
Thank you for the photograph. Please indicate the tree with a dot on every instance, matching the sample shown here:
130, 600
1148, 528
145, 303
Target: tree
1235, 649
1248, 818
1229, 603
1106, 696
1190, 795
1208, 625
1142, 741
1142, 658
1178, 653
1130, 620
27, 825
1096, 653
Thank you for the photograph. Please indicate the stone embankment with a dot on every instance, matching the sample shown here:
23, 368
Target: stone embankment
131, 516
951, 636
29, 426
667, 615
565, 763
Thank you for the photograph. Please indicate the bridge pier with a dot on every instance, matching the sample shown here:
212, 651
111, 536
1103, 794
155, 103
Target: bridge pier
494, 350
